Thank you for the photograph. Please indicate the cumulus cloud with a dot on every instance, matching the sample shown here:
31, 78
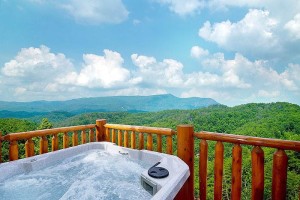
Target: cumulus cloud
282, 11
231, 80
143, 61
37, 63
91, 11
33, 72
293, 26
100, 71
183, 8
240, 36
197, 52
239, 80
38, 73
167, 73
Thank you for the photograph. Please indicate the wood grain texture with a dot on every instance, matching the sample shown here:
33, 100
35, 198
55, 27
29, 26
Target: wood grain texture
13, 151
185, 151
279, 175
258, 178
29, 148
203, 169
236, 181
133, 140
218, 170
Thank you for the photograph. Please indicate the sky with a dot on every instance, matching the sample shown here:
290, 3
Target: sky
233, 51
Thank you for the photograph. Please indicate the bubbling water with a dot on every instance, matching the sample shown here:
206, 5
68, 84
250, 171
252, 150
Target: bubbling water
94, 174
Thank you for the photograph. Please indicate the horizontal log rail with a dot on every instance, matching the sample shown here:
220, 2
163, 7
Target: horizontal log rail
141, 129
13, 139
248, 140
45, 132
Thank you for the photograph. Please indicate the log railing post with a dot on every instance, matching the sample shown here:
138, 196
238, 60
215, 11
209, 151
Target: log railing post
218, 170
29, 148
75, 138
83, 137
113, 135
169, 145
257, 157
43, 145
13, 151
132, 140
120, 141
185, 151
149, 142
107, 136
126, 139
91, 135
141, 141
54, 142
236, 182
279, 175
159, 143
203, 169
65, 140
100, 130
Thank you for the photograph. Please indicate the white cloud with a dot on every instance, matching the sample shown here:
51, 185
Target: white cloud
33, 72
36, 63
240, 80
142, 61
167, 73
279, 10
229, 81
183, 7
293, 26
197, 52
90, 11
291, 78
100, 71
240, 36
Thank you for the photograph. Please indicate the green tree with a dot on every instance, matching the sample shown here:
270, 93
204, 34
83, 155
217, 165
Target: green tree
45, 124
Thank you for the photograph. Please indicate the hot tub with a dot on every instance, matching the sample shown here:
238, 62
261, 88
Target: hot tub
99, 170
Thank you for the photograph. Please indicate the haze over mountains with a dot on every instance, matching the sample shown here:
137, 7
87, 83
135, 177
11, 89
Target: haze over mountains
104, 104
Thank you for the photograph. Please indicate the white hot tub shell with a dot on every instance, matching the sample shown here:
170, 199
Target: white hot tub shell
164, 188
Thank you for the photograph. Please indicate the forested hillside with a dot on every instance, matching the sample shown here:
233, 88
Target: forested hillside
274, 120
267, 120
104, 104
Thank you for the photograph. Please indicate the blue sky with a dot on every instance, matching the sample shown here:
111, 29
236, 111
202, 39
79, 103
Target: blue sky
235, 52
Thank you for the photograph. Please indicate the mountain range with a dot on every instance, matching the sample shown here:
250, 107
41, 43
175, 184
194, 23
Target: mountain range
104, 104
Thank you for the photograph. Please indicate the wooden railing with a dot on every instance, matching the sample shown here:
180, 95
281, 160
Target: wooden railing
115, 133
279, 171
13, 139
157, 138
119, 134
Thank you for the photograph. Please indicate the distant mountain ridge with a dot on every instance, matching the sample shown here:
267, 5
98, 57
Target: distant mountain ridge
107, 104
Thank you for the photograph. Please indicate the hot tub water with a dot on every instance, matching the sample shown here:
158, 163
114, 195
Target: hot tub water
94, 174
